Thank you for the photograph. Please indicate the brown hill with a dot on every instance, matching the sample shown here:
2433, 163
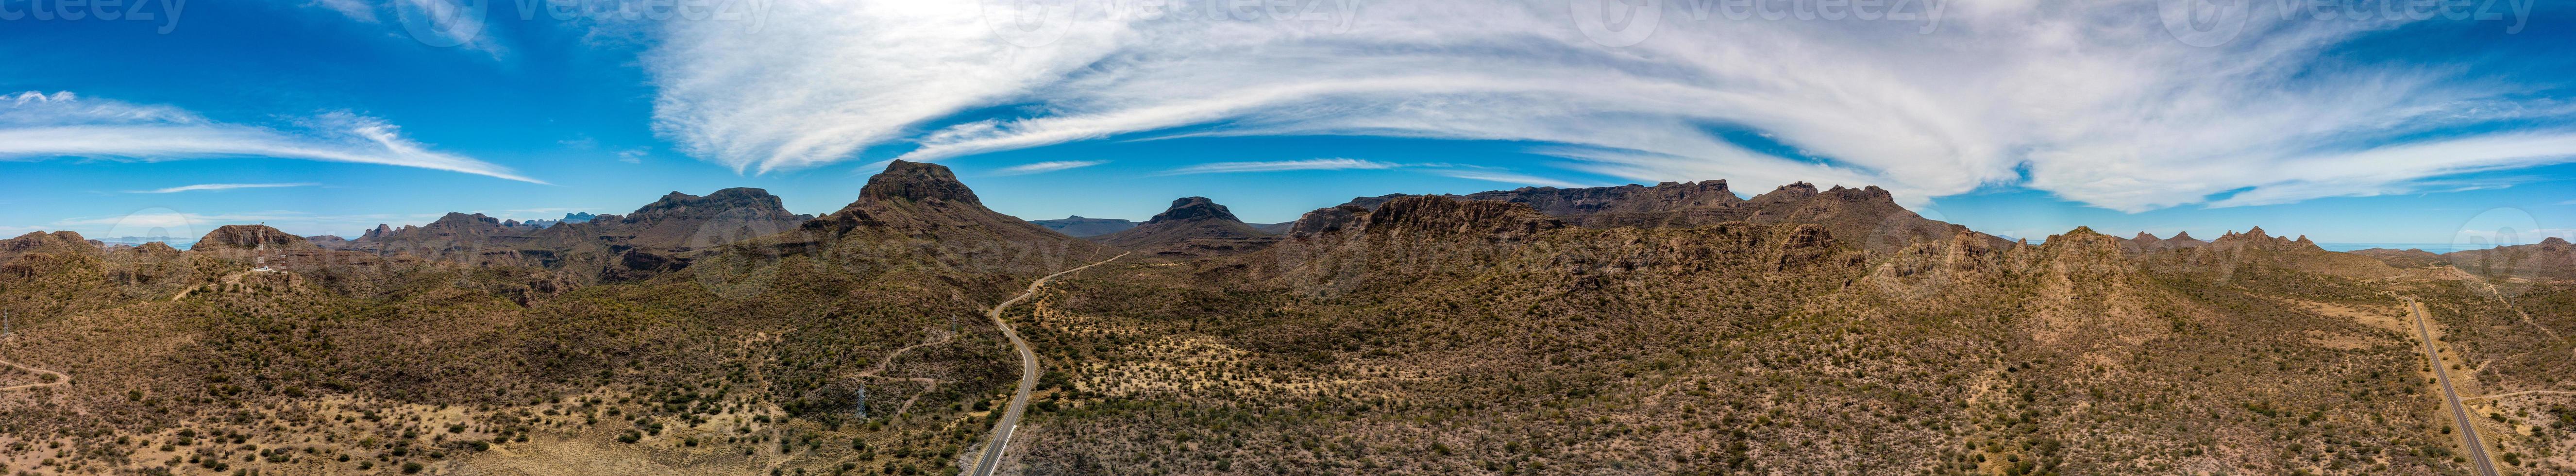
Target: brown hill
2254, 250
683, 222
677, 223
1191, 225
251, 237
1866, 216
2552, 258
911, 217
56, 242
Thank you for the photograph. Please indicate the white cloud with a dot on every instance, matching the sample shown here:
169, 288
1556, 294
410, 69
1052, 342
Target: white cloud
1280, 166
225, 186
632, 156
1505, 177
38, 126
354, 9
435, 23
1048, 166
2093, 101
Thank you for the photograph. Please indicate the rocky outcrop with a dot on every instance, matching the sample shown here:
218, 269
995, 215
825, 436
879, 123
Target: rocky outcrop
251, 237
2146, 242
918, 182
1077, 226
2255, 238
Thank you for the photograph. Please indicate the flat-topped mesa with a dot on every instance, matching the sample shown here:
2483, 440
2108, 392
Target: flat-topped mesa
1194, 208
250, 237
742, 201
460, 220
917, 182
1189, 219
1078, 226
2554, 241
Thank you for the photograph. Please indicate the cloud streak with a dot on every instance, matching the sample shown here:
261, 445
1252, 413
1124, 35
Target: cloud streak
225, 186
1280, 166
38, 126
1048, 166
2094, 102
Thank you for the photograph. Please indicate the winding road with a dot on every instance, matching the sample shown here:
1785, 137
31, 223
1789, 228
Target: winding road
59, 378
992, 458
2442, 373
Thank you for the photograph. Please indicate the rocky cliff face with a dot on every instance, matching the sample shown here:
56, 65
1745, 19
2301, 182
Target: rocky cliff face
1867, 217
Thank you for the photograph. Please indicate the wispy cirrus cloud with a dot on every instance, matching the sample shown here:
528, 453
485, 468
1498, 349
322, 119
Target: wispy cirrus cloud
358, 10
435, 23
224, 186
36, 126
1048, 166
1280, 166
1505, 177
2096, 102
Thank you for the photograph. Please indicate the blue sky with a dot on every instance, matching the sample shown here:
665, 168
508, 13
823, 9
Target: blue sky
2013, 117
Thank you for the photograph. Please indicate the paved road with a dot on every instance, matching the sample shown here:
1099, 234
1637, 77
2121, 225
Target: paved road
2442, 373
992, 459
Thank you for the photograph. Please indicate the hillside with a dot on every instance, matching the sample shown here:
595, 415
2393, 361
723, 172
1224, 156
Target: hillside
1868, 217
1406, 335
